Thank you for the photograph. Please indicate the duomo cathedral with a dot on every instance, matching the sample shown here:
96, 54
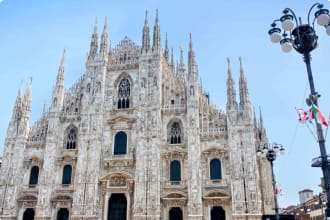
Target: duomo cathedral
136, 138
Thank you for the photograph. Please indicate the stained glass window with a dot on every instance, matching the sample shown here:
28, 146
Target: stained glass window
124, 92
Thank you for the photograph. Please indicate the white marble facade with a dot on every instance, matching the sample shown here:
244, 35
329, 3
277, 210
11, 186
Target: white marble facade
75, 162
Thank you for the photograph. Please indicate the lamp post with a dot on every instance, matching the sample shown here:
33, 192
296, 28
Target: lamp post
270, 151
303, 38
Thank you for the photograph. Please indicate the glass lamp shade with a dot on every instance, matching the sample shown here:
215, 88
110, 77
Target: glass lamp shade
275, 34
275, 37
259, 153
286, 47
282, 151
287, 24
265, 150
328, 30
323, 19
276, 148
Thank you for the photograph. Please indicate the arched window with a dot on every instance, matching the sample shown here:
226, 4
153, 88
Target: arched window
175, 214
175, 133
71, 139
124, 92
120, 146
215, 169
67, 173
28, 214
62, 214
175, 171
34, 175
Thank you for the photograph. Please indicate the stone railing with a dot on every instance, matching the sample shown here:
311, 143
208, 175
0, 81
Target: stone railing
216, 183
122, 160
214, 131
174, 108
175, 184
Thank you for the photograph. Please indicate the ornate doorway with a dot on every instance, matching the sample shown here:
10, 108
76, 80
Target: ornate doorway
175, 214
28, 214
117, 209
217, 213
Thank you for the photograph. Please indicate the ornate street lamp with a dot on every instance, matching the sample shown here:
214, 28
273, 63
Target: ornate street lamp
270, 152
303, 38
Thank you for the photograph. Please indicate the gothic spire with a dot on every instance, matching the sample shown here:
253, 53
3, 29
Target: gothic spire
182, 66
104, 40
261, 121
172, 60
262, 130
17, 111
166, 53
231, 93
94, 43
192, 67
145, 34
255, 119
28, 97
156, 37
243, 89
61, 71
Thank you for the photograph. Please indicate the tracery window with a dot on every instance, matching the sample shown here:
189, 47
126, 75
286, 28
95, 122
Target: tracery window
67, 173
124, 92
175, 134
34, 175
71, 139
215, 169
120, 146
175, 171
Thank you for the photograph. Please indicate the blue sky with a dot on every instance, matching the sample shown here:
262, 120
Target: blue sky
34, 33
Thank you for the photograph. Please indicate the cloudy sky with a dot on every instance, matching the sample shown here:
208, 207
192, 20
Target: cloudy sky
34, 33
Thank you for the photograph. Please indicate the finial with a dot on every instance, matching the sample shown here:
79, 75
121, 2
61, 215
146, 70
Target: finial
190, 41
240, 62
146, 19
95, 25
172, 57
44, 108
30, 80
166, 40
63, 57
106, 22
228, 61
181, 54
156, 14
260, 117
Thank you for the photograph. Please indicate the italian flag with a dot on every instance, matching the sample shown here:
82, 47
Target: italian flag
318, 116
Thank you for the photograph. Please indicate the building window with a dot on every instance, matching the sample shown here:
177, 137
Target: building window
215, 169
175, 133
120, 146
175, 171
34, 175
124, 92
67, 173
71, 138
